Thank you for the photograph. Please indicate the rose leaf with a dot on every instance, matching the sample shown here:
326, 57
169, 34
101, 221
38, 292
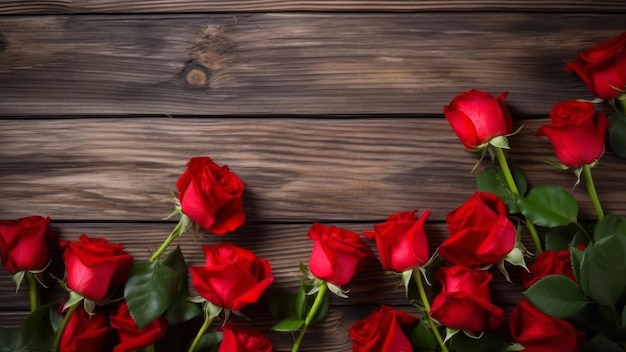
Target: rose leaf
557, 295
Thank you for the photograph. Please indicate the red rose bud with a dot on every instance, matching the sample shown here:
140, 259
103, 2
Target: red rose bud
131, 337
577, 132
24, 243
464, 301
401, 241
236, 339
232, 277
549, 263
476, 117
381, 331
84, 332
337, 254
603, 67
94, 266
539, 332
211, 196
480, 232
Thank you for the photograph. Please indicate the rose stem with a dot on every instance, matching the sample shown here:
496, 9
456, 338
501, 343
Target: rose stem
504, 165
32, 290
175, 233
591, 189
203, 329
420, 287
66, 320
321, 293
622, 101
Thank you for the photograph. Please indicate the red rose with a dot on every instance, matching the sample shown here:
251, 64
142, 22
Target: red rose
464, 301
210, 195
236, 339
539, 332
84, 332
381, 331
94, 266
477, 117
603, 67
232, 277
480, 232
576, 132
401, 241
24, 243
132, 338
337, 254
549, 263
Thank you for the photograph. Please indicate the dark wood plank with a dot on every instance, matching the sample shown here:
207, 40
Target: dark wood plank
152, 6
294, 169
293, 63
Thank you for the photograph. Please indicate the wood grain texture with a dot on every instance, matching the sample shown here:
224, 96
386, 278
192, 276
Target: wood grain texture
286, 64
294, 169
152, 6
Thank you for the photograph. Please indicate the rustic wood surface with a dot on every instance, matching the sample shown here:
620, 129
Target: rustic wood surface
289, 64
329, 111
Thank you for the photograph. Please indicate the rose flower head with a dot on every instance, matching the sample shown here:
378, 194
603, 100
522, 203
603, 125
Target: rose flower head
401, 241
131, 337
95, 266
84, 332
24, 243
242, 340
549, 263
603, 67
211, 196
480, 232
464, 302
477, 117
232, 277
338, 254
382, 331
576, 131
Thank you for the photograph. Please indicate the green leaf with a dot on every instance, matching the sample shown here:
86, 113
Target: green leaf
601, 343
37, 332
422, 338
288, 325
181, 309
149, 291
549, 206
557, 295
11, 340
492, 180
300, 303
610, 225
617, 134
210, 342
488, 342
624, 318
577, 257
560, 238
602, 270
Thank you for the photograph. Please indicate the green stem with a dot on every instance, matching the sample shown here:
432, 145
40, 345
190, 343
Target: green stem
66, 320
622, 101
177, 231
32, 290
201, 332
417, 277
307, 321
508, 176
591, 189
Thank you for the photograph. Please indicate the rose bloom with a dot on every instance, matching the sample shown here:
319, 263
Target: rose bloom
94, 266
211, 196
131, 337
401, 241
338, 254
464, 301
480, 232
381, 331
24, 243
476, 117
236, 339
539, 332
603, 67
549, 263
577, 132
232, 277
84, 332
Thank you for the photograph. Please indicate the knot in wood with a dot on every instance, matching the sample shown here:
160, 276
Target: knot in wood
196, 76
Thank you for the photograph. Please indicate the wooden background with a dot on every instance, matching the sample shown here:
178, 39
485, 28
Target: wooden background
329, 111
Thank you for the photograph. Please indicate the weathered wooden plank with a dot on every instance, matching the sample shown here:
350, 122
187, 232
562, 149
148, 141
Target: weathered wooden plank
294, 169
294, 63
152, 6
